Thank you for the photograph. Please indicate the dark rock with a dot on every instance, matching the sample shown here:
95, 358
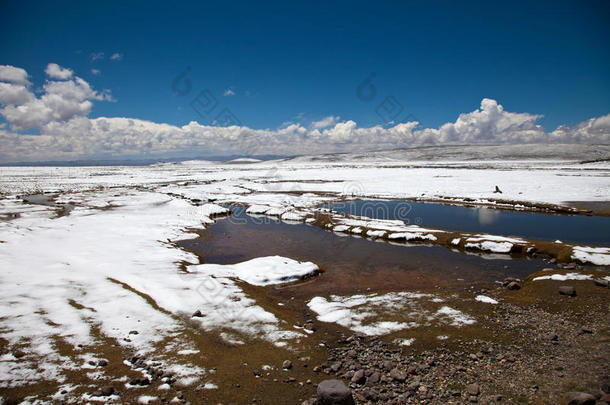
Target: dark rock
197, 314
388, 365
373, 378
287, 365
601, 282
584, 331
358, 377
605, 399
581, 398
567, 290
133, 332
107, 391
514, 285
310, 326
398, 375
334, 392
473, 389
102, 363
18, 353
336, 366
256, 373
552, 337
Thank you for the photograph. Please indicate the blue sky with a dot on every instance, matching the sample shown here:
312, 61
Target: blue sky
301, 62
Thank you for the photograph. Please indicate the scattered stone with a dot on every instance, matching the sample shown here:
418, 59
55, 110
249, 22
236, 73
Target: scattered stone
334, 392
358, 377
310, 326
601, 282
398, 375
585, 331
473, 389
105, 391
133, 332
197, 314
581, 398
514, 285
102, 363
553, 337
373, 378
287, 365
567, 290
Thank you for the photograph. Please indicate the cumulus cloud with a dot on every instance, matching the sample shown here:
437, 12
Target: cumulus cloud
96, 72
54, 71
14, 75
60, 114
325, 122
61, 100
116, 56
229, 92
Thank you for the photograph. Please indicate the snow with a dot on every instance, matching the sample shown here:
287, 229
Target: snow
261, 271
599, 256
485, 299
370, 314
457, 318
112, 264
375, 234
564, 277
146, 399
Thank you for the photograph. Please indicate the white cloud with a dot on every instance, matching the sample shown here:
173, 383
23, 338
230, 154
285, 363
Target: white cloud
116, 56
54, 71
96, 72
97, 55
61, 100
13, 75
60, 114
325, 122
229, 92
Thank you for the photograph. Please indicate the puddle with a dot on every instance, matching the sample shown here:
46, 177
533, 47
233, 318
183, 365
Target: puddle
589, 230
48, 200
352, 265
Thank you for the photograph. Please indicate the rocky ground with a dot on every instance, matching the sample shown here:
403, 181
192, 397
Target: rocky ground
545, 347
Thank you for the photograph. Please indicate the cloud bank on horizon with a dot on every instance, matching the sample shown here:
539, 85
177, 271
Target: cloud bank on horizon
60, 114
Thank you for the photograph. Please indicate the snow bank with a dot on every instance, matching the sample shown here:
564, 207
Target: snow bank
564, 277
261, 270
599, 256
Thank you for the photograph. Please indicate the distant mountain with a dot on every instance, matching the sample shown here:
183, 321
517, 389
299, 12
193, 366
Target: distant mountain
540, 152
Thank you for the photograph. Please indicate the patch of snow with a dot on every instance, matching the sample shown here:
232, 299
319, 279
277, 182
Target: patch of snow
485, 299
564, 277
374, 314
260, 271
458, 318
599, 256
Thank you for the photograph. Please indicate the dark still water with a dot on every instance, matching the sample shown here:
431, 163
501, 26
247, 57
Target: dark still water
351, 264
589, 230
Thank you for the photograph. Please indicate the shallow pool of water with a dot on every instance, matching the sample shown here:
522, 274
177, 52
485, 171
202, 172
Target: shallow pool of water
589, 230
352, 265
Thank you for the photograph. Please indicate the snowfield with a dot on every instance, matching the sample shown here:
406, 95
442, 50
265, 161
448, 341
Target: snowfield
100, 261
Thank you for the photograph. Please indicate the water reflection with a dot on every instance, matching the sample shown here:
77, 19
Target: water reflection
588, 230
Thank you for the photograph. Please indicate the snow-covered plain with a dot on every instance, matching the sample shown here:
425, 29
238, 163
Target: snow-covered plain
110, 266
